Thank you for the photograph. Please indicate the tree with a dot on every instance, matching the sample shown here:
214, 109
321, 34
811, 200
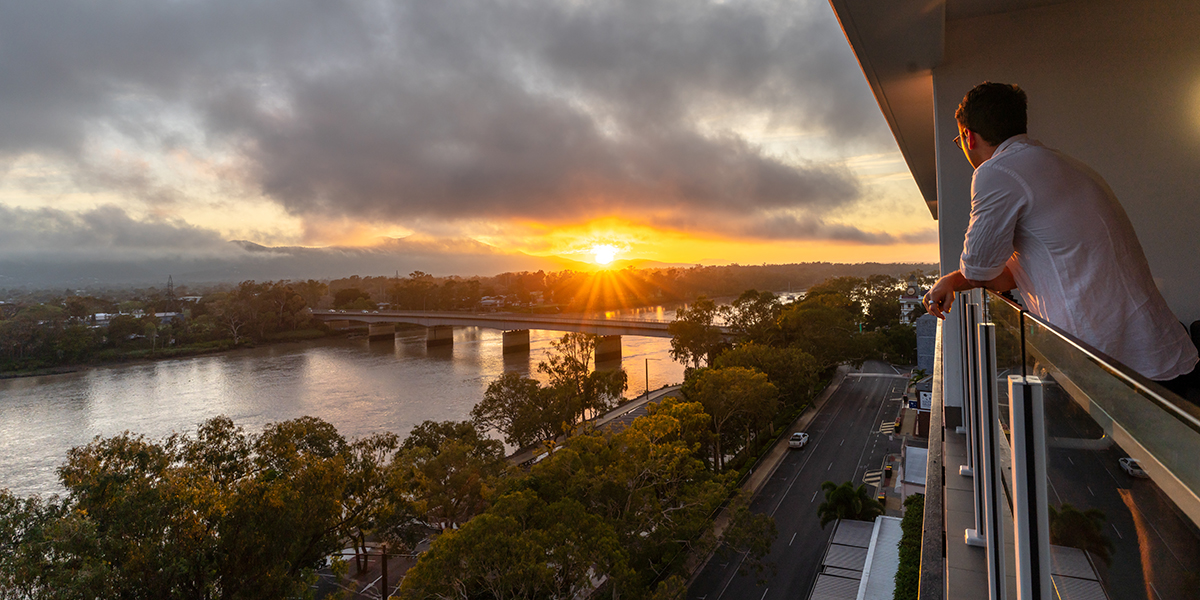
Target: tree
525, 547
350, 298
232, 311
899, 343
844, 286
735, 397
753, 315
448, 470
847, 502
32, 533
525, 412
579, 389
520, 409
793, 371
312, 291
826, 327
223, 513
752, 533
694, 336
694, 425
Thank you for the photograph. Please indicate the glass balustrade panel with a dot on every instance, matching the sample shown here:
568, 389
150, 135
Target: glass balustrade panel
1113, 529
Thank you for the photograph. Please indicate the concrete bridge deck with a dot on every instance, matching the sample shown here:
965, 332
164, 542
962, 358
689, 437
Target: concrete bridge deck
504, 321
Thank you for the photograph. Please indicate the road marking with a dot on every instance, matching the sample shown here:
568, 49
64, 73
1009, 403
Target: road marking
820, 415
1071, 461
793, 538
765, 593
730, 580
1090, 490
1118, 531
887, 427
371, 585
1155, 590
873, 477
814, 496
843, 441
829, 467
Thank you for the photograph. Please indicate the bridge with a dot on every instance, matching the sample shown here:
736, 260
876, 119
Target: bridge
516, 326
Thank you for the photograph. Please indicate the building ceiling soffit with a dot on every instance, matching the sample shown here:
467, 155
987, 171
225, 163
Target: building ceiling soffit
897, 45
964, 9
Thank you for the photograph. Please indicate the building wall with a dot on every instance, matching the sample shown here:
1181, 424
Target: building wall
1115, 84
926, 327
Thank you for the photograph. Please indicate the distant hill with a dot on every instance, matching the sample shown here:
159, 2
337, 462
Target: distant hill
243, 260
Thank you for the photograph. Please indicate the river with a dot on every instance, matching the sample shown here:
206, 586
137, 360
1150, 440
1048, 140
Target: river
360, 387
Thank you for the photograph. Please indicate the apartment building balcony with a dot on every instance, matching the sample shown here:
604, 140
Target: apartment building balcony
1036, 502
1033, 420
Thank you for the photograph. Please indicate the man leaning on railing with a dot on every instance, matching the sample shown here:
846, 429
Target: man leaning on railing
1048, 225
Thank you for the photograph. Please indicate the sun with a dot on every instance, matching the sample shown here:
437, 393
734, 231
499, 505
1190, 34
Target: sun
604, 253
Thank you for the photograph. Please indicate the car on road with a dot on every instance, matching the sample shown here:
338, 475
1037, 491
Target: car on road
1132, 467
798, 440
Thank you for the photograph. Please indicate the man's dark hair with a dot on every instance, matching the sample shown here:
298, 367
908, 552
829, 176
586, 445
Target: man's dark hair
996, 111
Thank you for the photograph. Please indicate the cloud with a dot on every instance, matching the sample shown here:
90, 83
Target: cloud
414, 112
106, 246
783, 227
107, 231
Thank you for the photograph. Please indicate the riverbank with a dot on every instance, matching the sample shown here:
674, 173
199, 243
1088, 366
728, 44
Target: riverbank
111, 357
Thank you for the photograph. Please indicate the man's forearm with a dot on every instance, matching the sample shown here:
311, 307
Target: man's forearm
1001, 283
941, 297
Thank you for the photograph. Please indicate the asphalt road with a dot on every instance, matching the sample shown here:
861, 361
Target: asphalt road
845, 442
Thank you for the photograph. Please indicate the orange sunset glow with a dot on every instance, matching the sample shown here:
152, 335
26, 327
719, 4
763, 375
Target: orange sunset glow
332, 146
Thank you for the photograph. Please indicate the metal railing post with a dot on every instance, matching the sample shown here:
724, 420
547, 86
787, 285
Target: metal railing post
972, 403
988, 461
967, 340
1031, 513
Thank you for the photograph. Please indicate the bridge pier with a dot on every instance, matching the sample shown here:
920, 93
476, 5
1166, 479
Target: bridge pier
439, 335
516, 341
381, 331
608, 348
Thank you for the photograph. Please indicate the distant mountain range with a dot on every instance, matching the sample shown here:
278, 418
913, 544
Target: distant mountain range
243, 260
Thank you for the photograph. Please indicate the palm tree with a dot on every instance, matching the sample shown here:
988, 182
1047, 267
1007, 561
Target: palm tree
847, 502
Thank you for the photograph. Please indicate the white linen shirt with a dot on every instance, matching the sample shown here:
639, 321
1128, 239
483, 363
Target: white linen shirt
1073, 254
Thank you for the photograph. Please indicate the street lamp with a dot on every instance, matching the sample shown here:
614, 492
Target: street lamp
648, 376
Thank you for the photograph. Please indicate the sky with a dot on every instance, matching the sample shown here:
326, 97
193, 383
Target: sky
680, 131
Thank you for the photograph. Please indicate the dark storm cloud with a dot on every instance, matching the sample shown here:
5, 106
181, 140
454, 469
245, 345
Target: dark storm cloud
107, 230
414, 111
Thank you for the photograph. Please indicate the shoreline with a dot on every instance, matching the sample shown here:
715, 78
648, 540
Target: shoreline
349, 333
135, 360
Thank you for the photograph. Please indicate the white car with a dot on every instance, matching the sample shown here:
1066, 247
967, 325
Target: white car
1132, 467
798, 440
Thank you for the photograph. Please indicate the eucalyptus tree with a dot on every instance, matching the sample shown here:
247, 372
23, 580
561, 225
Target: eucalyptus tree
694, 334
737, 399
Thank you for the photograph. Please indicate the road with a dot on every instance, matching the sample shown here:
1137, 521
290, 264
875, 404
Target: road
845, 443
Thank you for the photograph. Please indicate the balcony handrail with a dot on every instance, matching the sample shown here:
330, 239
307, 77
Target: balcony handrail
1114, 367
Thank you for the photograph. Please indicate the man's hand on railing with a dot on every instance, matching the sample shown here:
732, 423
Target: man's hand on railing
938, 300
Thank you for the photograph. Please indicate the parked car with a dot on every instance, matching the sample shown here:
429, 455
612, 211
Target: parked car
798, 440
1132, 467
